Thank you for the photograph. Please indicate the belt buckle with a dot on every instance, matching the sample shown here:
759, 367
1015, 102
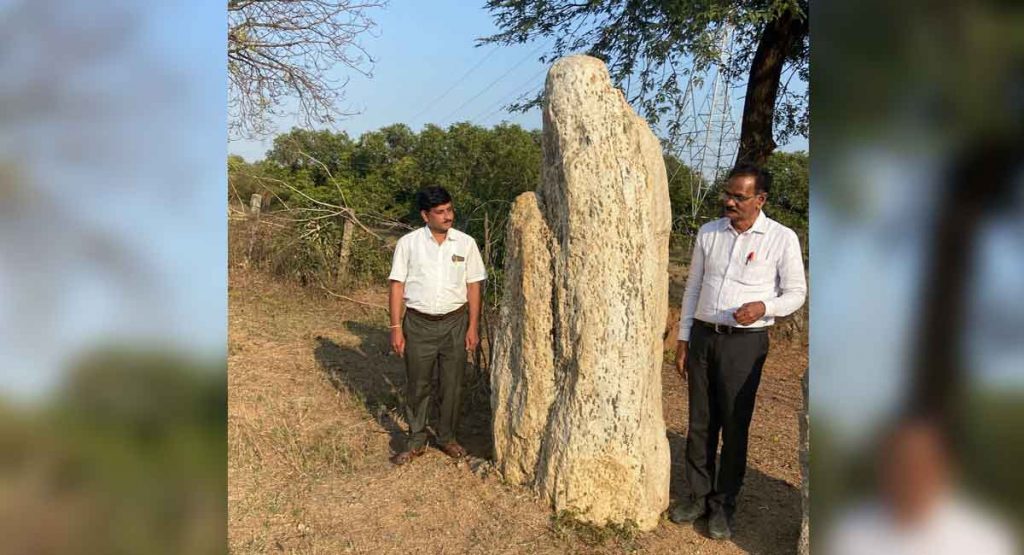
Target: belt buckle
720, 327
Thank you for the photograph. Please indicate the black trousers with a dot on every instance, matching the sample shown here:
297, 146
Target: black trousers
724, 371
434, 346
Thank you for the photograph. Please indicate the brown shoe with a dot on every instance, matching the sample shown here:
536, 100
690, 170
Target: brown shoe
405, 456
453, 450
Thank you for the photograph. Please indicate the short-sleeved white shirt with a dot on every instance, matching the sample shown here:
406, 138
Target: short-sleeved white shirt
435, 276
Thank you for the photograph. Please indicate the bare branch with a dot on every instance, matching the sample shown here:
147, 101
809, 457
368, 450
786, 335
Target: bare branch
350, 299
286, 49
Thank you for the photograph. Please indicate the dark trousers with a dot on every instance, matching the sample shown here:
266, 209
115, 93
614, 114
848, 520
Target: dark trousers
723, 372
434, 345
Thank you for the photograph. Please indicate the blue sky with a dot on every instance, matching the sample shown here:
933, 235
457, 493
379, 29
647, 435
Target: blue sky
125, 107
426, 49
117, 233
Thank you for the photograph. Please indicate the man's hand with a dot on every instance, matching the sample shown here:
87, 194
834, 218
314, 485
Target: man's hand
749, 313
472, 339
398, 341
681, 348
396, 293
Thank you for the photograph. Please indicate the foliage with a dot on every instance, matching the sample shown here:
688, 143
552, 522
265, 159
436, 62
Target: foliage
377, 177
128, 457
788, 202
652, 47
689, 211
485, 169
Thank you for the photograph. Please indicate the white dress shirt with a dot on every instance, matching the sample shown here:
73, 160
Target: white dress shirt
954, 527
435, 275
729, 269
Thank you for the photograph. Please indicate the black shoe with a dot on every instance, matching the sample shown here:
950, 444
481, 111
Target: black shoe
718, 524
688, 510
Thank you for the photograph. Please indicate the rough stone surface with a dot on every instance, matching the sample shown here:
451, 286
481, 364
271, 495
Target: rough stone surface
804, 546
576, 381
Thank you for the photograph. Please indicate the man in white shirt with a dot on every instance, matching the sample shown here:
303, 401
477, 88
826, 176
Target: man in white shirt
746, 270
918, 510
436, 272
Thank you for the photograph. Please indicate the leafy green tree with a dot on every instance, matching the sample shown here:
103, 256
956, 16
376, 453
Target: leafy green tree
788, 202
683, 183
485, 169
651, 46
322, 153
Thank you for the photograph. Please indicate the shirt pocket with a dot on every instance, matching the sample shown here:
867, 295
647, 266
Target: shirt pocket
759, 273
456, 273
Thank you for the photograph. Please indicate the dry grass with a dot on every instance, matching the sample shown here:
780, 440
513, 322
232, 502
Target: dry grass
314, 413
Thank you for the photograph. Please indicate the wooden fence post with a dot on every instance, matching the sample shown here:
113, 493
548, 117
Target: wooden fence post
255, 202
345, 250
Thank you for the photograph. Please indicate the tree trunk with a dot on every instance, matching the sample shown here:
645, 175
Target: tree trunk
778, 38
345, 251
979, 179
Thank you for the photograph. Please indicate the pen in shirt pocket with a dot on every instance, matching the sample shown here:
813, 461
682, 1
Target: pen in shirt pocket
749, 258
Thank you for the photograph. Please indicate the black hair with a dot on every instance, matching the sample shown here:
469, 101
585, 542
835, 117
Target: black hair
762, 177
430, 197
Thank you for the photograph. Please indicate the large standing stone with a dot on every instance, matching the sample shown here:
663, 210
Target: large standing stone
576, 381
804, 545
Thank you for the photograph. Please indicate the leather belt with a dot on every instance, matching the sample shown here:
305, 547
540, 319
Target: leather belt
437, 317
727, 330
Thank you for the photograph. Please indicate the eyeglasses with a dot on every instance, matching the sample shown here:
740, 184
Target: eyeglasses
726, 195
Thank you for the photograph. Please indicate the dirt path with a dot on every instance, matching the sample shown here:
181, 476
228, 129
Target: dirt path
312, 419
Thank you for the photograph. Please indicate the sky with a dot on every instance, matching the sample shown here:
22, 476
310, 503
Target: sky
112, 173
112, 163
429, 71
868, 268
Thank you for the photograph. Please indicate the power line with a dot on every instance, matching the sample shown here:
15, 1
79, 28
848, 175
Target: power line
492, 83
523, 88
457, 83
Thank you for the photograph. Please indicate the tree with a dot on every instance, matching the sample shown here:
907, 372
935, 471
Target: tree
788, 202
650, 45
283, 49
689, 210
323, 153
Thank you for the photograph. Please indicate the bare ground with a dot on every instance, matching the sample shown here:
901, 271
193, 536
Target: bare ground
313, 417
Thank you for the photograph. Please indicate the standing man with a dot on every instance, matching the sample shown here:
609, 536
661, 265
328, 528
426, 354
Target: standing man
746, 270
436, 272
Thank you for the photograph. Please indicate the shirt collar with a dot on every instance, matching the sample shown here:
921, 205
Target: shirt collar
430, 236
760, 224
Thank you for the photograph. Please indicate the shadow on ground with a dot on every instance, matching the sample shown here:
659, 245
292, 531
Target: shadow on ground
377, 379
768, 509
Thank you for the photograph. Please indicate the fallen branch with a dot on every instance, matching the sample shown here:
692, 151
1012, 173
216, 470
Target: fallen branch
350, 299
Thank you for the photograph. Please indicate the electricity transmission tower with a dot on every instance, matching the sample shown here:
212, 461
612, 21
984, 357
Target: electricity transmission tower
707, 139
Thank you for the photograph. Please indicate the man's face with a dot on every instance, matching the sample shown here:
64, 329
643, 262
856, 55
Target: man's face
439, 218
914, 470
740, 202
